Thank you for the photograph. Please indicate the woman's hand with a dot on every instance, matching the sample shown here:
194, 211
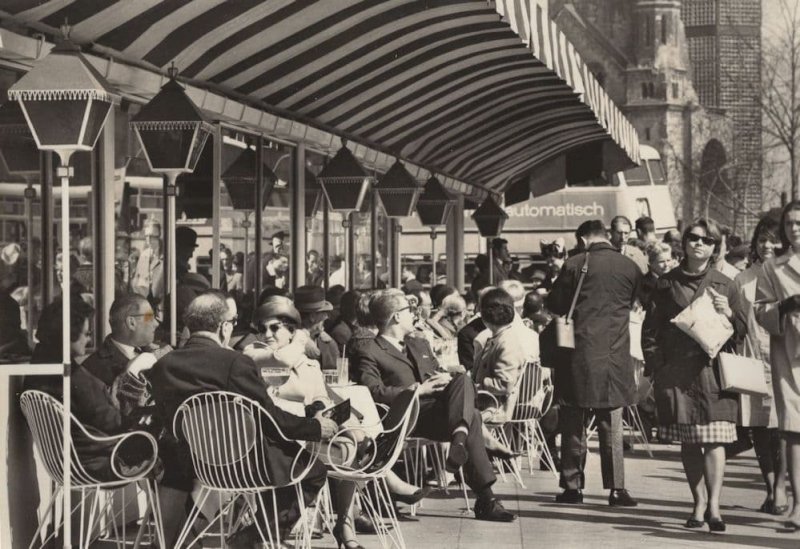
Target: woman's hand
721, 304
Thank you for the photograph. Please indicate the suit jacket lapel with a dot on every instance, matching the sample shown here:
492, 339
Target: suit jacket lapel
392, 350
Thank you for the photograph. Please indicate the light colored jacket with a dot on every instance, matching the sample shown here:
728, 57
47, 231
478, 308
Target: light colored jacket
778, 280
500, 362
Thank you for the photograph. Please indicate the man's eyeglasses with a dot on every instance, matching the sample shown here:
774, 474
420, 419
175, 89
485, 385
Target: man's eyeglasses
149, 316
707, 240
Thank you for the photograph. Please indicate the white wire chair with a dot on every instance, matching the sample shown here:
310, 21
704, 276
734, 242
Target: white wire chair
44, 415
521, 429
226, 437
373, 469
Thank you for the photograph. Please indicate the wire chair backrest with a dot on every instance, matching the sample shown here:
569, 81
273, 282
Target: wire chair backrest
45, 417
228, 437
533, 396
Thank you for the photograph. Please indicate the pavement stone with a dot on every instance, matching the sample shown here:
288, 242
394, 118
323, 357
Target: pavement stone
664, 504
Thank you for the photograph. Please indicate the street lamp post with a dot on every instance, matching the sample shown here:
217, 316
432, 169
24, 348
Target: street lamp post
433, 208
345, 183
65, 102
172, 132
399, 193
490, 218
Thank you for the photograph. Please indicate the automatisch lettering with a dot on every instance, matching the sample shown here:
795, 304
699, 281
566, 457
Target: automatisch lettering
593, 210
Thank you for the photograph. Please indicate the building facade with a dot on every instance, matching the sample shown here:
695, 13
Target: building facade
679, 93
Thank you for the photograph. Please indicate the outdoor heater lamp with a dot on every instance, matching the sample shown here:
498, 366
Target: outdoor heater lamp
490, 218
344, 181
172, 132
65, 102
433, 208
18, 149
399, 191
240, 180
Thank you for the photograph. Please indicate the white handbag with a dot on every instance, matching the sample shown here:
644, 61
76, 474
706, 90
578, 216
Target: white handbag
742, 374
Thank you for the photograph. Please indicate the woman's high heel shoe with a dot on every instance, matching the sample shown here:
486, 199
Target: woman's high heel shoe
416, 497
338, 535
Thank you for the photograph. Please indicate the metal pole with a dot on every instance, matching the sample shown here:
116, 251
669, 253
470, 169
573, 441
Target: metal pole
172, 265
374, 238
30, 195
349, 279
246, 227
259, 227
397, 230
298, 219
106, 229
326, 245
216, 176
491, 266
433, 256
65, 172
455, 245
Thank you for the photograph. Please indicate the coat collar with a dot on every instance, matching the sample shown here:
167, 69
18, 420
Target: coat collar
597, 246
791, 260
109, 350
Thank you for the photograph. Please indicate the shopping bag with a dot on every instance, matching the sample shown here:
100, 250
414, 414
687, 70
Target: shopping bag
704, 324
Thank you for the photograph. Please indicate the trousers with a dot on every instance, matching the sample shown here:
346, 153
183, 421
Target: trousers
573, 447
441, 413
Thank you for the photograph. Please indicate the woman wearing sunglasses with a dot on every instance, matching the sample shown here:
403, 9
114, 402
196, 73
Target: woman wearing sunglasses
691, 407
281, 345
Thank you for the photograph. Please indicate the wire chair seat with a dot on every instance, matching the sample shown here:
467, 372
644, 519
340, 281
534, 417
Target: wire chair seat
373, 466
44, 415
518, 426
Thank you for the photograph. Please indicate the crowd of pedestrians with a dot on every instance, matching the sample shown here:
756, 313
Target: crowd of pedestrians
577, 319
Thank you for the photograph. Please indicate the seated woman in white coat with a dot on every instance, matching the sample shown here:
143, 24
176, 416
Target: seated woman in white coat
281, 346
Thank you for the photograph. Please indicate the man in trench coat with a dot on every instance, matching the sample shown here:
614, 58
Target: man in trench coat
599, 375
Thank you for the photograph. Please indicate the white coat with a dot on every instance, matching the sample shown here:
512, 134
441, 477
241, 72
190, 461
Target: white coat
778, 280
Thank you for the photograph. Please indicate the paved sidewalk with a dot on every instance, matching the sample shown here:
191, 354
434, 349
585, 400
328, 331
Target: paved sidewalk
657, 483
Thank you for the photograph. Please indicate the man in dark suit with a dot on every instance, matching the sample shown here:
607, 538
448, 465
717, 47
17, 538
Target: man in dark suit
205, 364
393, 363
133, 327
466, 335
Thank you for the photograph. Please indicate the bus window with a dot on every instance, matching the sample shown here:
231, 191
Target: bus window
643, 207
657, 171
637, 176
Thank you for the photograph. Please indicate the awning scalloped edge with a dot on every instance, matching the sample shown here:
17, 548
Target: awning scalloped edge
166, 125
61, 95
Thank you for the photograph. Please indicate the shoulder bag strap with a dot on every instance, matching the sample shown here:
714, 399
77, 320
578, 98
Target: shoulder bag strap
584, 270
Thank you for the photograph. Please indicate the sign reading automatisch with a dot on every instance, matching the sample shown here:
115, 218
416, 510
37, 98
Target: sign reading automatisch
564, 209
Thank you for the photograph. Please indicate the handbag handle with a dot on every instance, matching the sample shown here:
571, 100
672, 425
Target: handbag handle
584, 270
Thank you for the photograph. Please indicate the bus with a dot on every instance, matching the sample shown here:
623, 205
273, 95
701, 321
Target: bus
636, 192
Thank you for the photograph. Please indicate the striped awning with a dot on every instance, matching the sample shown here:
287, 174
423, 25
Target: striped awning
481, 91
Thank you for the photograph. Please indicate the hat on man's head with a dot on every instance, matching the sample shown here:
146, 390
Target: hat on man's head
411, 286
185, 238
311, 299
279, 234
277, 306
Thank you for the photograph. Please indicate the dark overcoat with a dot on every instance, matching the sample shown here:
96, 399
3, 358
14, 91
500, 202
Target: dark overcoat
600, 373
203, 365
685, 378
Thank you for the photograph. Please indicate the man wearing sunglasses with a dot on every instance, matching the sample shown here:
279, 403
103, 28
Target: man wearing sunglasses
393, 363
133, 326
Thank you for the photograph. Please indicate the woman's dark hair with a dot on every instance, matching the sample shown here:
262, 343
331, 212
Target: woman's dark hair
48, 330
790, 207
497, 307
363, 316
439, 292
533, 304
711, 229
767, 225
348, 307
